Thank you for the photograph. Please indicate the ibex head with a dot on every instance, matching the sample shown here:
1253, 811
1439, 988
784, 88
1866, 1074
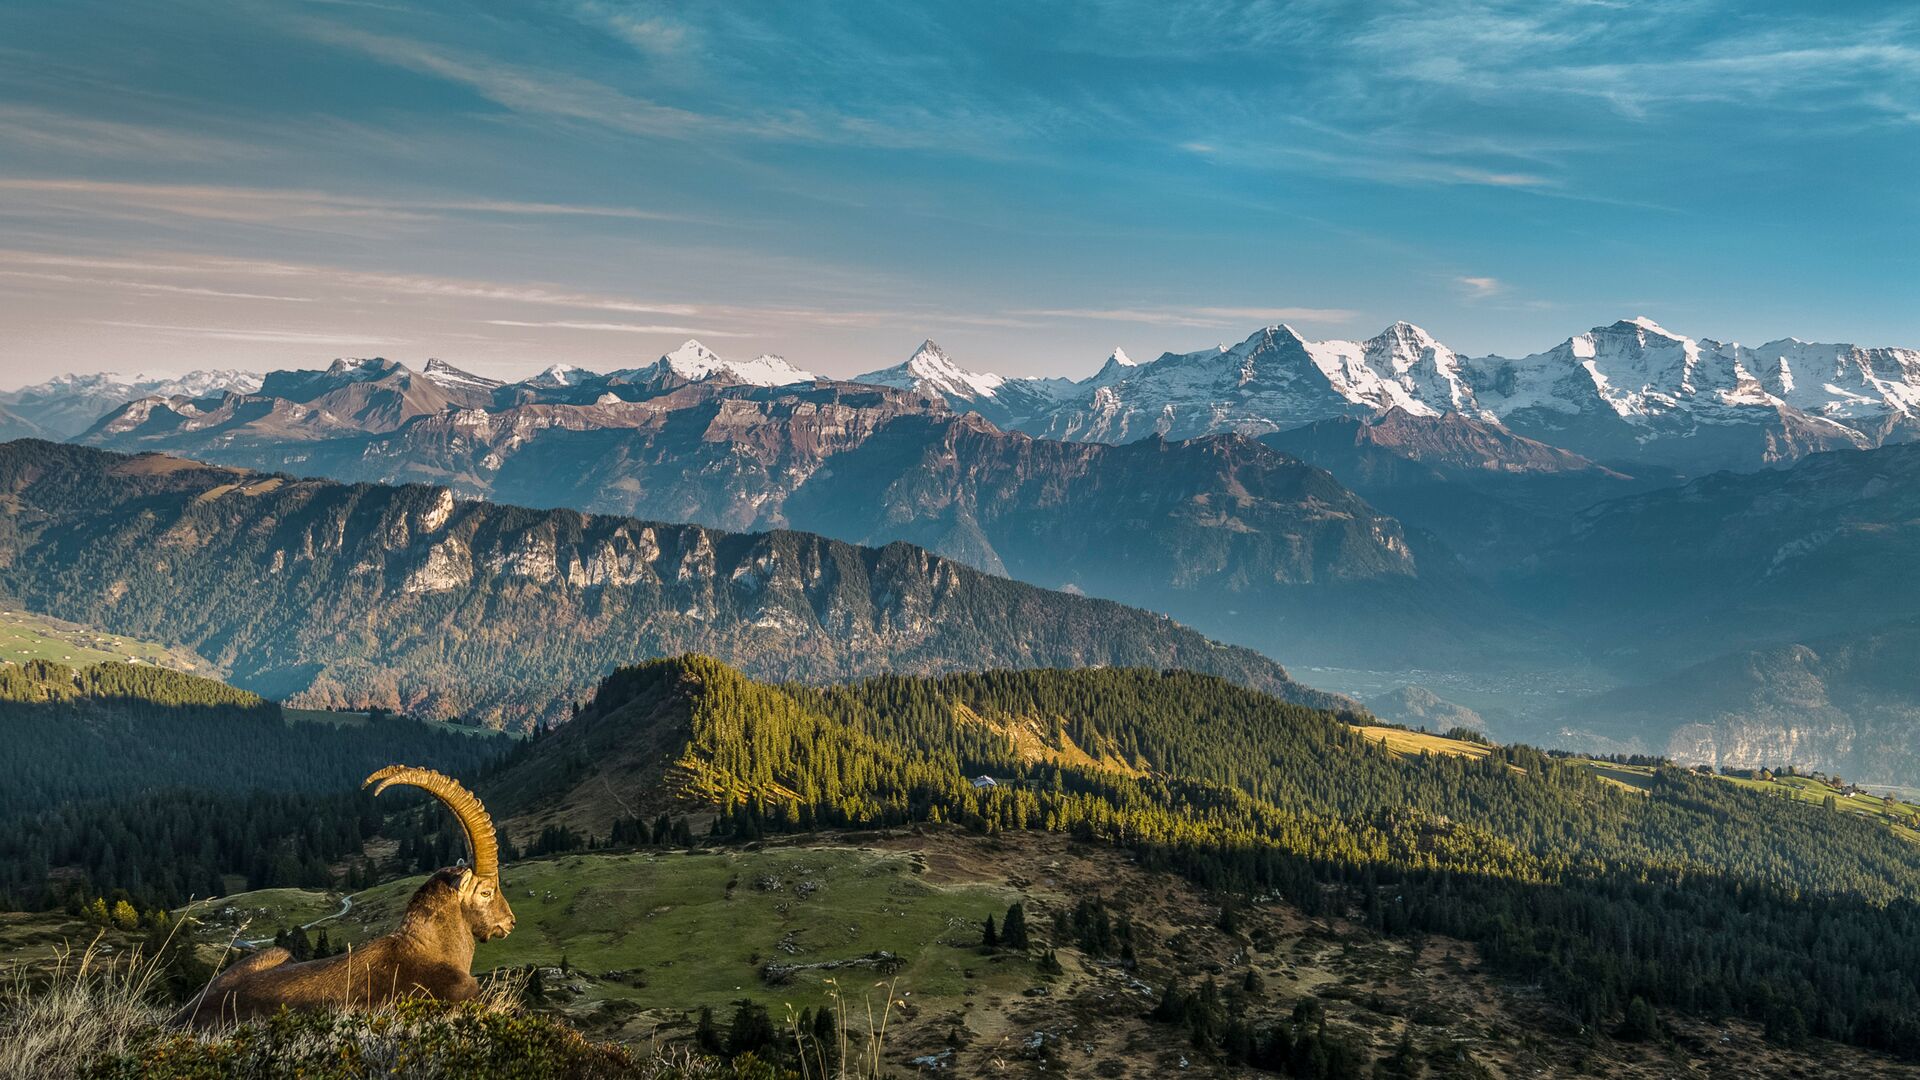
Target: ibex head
483, 905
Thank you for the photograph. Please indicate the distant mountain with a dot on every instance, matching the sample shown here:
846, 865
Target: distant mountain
407, 598
1737, 561
1236, 539
1633, 391
1630, 395
1372, 449
694, 361
1491, 495
1275, 379
66, 405
453, 378
1848, 705
931, 373
15, 426
1419, 707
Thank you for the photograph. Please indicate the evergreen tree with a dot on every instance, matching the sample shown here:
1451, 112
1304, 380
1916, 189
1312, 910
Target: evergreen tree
751, 1031
826, 1041
1641, 1023
1013, 931
706, 1035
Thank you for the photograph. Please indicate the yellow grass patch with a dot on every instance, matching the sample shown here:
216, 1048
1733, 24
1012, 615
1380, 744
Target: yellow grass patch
1413, 743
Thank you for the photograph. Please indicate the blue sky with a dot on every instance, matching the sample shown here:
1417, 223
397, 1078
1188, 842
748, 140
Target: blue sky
227, 183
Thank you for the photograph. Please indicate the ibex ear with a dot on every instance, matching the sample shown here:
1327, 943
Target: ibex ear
467, 881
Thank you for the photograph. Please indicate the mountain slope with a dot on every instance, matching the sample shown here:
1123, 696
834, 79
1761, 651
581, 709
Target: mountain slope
120, 731
1492, 495
14, 425
404, 597
1735, 561
1242, 542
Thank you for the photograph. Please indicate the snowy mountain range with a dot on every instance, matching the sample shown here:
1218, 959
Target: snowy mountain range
66, 405
1629, 391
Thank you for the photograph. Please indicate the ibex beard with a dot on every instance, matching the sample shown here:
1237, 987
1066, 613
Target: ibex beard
430, 954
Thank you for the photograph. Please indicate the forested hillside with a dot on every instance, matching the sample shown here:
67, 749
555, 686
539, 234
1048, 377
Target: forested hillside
1694, 894
356, 595
131, 777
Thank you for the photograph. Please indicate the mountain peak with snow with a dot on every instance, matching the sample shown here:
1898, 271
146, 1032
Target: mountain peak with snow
694, 362
1647, 324
1119, 366
932, 372
441, 373
558, 376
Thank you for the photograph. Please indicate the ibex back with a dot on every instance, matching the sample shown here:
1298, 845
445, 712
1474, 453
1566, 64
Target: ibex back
430, 954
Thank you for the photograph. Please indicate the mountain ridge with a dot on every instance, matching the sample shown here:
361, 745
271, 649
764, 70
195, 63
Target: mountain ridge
406, 598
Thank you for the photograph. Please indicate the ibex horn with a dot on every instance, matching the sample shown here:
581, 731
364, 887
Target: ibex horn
473, 816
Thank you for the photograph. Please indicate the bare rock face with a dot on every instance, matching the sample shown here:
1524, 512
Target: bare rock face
357, 595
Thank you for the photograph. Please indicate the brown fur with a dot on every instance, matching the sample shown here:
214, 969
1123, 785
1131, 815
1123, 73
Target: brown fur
430, 954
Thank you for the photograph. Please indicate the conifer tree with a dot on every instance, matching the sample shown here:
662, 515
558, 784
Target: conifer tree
1013, 931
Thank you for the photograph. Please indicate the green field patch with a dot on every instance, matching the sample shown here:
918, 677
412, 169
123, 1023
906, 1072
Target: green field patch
26, 636
1631, 777
678, 930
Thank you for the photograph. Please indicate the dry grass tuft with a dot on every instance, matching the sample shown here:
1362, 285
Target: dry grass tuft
91, 1006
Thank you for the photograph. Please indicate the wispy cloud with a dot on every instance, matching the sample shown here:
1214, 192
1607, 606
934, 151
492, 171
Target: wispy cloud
651, 32
1480, 288
270, 204
345, 280
340, 284
618, 328
257, 334
50, 131
1196, 316
544, 93
148, 286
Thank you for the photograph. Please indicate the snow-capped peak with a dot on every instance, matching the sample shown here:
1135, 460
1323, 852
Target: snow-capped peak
199, 384
352, 369
1650, 326
931, 371
695, 361
1119, 366
693, 357
444, 374
560, 375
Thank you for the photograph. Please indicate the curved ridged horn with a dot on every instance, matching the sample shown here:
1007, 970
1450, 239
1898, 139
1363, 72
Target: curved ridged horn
473, 816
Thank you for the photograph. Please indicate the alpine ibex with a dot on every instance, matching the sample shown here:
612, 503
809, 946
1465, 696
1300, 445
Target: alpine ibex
430, 954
